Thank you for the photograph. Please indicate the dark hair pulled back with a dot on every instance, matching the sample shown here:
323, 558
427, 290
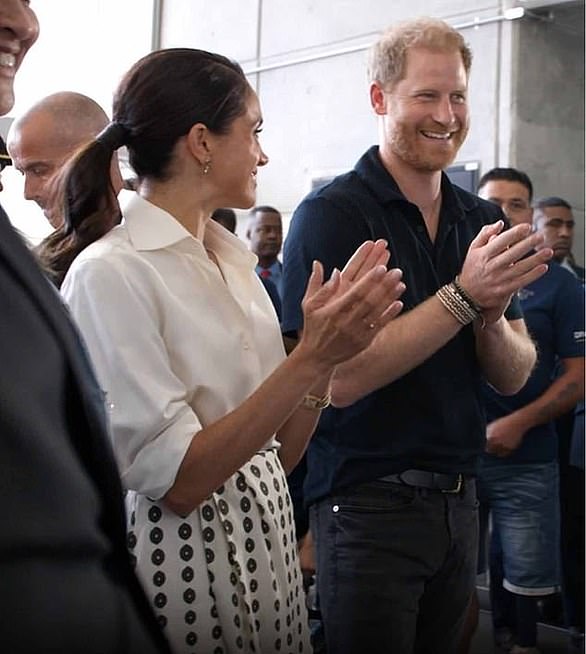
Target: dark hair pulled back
167, 92
157, 102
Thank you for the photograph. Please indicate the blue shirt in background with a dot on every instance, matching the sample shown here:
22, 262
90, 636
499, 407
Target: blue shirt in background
553, 307
274, 274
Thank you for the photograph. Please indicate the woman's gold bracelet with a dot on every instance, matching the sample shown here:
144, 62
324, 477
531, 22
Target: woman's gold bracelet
316, 402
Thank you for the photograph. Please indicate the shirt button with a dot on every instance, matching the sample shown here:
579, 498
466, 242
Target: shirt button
246, 345
335, 508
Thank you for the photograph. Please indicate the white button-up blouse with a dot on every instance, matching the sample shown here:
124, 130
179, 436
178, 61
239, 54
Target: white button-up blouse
175, 345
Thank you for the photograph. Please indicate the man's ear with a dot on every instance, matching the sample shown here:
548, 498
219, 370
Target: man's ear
198, 143
378, 99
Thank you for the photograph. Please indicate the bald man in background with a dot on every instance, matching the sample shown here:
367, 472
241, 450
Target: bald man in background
41, 140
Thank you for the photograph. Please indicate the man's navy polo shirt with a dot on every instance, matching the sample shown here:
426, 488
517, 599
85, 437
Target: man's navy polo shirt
433, 417
553, 307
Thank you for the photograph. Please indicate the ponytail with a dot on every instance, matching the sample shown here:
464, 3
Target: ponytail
87, 201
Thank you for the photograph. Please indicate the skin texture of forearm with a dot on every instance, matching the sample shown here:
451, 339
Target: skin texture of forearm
218, 451
562, 396
405, 343
506, 354
294, 435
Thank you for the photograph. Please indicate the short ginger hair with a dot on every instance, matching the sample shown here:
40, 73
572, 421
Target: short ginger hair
388, 55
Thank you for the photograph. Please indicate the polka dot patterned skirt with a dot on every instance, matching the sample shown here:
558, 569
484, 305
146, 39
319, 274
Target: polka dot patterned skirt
225, 579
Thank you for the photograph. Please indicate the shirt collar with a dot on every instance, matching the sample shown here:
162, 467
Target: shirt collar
151, 228
568, 266
373, 174
228, 246
275, 267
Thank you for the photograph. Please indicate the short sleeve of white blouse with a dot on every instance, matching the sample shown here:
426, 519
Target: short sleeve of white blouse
176, 344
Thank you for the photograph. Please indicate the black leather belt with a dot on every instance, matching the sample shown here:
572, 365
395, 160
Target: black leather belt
440, 481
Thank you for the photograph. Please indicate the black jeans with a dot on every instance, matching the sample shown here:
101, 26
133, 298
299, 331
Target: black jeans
396, 567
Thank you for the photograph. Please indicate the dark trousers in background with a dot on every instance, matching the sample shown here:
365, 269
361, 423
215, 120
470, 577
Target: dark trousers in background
396, 567
572, 545
571, 527
572, 539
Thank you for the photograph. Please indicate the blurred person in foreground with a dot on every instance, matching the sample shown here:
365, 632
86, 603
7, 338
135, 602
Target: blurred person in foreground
67, 578
5, 159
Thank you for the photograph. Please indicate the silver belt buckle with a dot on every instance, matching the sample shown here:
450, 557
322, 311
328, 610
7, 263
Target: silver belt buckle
458, 486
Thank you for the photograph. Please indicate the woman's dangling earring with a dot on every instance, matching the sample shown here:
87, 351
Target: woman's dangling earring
207, 166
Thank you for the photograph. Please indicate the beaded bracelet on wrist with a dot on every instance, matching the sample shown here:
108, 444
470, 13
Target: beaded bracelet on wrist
456, 303
465, 294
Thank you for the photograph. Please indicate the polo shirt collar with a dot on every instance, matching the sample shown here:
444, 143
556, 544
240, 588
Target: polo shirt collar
228, 246
567, 265
275, 267
456, 205
383, 186
151, 228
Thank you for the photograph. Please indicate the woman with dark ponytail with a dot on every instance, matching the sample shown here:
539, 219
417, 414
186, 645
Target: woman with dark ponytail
207, 414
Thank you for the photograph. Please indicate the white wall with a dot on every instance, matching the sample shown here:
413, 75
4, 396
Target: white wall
549, 105
84, 46
526, 94
317, 115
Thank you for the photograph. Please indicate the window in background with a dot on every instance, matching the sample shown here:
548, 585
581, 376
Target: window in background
465, 175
